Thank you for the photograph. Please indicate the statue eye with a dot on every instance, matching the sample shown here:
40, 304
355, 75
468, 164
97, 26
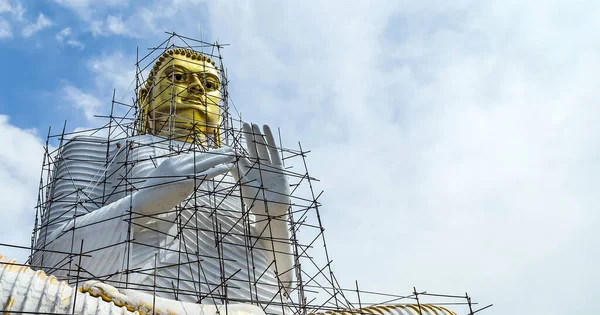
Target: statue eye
178, 77
211, 84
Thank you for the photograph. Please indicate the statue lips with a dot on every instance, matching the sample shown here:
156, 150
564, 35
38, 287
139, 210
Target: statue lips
194, 100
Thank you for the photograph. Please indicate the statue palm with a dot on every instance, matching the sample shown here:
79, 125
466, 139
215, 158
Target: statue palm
261, 174
266, 192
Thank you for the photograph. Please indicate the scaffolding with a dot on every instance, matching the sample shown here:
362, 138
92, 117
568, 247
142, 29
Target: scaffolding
211, 247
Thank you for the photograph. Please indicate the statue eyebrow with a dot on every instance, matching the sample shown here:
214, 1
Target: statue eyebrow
212, 76
173, 68
207, 74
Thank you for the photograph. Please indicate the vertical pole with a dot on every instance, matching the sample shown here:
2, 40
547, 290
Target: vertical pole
358, 294
110, 119
417, 298
128, 253
77, 277
154, 285
39, 213
469, 302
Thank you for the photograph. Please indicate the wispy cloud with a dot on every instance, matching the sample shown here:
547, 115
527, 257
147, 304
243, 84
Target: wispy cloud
86, 9
446, 136
20, 160
15, 8
87, 103
5, 6
41, 23
65, 36
5, 29
113, 25
114, 71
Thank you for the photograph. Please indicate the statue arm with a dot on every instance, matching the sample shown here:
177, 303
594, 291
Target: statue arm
168, 185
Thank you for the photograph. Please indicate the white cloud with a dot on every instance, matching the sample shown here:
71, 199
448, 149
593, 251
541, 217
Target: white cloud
65, 32
5, 29
65, 36
75, 43
20, 164
453, 141
17, 10
41, 23
97, 27
113, 25
107, 72
87, 103
140, 21
87, 8
114, 71
143, 21
5, 6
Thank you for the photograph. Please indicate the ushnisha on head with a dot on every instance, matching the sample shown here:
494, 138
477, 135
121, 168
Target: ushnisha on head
181, 98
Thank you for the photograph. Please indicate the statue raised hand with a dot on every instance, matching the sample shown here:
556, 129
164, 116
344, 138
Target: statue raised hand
266, 192
261, 174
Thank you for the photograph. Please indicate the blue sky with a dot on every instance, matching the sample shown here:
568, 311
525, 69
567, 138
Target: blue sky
456, 141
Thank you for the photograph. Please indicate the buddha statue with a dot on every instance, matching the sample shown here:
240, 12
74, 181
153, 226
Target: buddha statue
175, 190
180, 223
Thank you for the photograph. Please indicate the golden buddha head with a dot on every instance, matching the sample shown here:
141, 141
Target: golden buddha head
181, 98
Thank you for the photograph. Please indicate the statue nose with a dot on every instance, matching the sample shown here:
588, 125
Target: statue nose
196, 86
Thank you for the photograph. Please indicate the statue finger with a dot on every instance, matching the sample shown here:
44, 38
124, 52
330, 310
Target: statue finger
183, 160
220, 151
261, 146
275, 158
250, 143
209, 162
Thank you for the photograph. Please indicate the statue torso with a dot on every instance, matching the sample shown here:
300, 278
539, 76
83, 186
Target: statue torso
204, 250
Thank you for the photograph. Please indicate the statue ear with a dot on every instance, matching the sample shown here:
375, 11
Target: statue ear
142, 94
142, 99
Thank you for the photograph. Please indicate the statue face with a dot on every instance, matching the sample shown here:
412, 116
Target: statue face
185, 97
